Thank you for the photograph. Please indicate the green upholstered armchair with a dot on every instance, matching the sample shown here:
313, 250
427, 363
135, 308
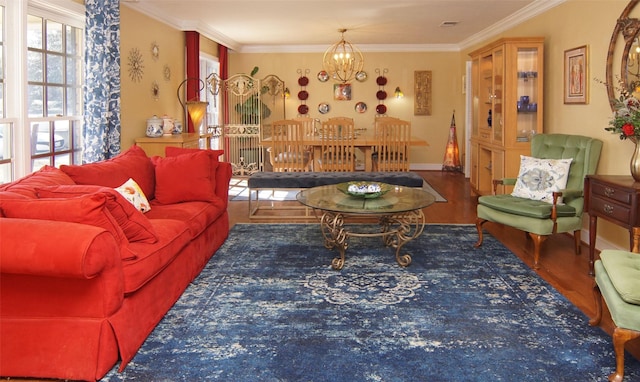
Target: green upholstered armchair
539, 218
618, 282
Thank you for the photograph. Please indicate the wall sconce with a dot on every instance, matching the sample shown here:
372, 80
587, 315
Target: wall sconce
398, 93
195, 108
287, 93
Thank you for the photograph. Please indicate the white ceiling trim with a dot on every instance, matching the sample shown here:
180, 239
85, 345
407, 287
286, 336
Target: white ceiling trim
526, 13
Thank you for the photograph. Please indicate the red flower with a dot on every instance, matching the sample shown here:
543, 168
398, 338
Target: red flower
628, 129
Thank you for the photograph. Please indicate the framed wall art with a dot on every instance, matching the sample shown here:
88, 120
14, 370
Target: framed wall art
342, 92
422, 84
576, 88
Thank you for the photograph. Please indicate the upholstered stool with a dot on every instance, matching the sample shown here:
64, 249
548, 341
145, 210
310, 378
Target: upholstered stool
617, 281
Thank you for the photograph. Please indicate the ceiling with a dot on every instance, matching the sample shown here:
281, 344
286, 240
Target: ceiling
372, 25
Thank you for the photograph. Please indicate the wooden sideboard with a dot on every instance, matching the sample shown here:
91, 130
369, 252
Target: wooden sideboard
156, 146
615, 198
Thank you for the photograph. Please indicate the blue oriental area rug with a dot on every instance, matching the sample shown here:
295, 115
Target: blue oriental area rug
269, 307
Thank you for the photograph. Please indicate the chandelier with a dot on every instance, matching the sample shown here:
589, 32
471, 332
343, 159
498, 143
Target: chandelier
342, 61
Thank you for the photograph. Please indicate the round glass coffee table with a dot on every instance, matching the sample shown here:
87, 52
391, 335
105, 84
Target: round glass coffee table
398, 211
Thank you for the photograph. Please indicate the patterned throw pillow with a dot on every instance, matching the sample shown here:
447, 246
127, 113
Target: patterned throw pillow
133, 193
539, 178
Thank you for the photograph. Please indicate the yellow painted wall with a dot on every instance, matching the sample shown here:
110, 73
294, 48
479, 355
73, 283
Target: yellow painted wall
446, 91
138, 102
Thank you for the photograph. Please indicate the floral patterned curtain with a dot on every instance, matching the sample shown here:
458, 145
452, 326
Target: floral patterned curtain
101, 132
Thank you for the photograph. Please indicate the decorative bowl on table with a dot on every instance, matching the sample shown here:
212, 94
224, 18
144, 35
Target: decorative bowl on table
364, 189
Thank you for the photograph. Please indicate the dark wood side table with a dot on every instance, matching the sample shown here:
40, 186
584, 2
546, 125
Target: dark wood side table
615, 198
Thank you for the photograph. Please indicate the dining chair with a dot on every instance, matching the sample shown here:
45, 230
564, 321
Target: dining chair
287, 151
391, 152
617, 282
337, 146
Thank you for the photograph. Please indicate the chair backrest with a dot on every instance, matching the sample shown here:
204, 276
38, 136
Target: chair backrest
309, 125
393, 137
585, 152
338, 151
287, 153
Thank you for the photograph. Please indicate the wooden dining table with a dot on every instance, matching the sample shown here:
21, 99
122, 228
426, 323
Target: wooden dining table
365, 141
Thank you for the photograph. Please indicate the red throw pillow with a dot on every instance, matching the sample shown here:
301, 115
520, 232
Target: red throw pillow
183, 178
213, 158
86, 209
133, 163
134, 224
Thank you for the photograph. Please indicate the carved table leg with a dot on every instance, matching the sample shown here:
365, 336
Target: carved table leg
409, 226
332, 226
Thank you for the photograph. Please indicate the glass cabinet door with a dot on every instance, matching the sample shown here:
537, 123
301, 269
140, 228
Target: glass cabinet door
497, 96
527, 93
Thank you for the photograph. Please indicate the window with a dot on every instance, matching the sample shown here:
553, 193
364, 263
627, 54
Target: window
41, 78
208, 66
54, 91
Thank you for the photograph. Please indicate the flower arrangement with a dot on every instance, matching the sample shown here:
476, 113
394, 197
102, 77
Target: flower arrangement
626, 117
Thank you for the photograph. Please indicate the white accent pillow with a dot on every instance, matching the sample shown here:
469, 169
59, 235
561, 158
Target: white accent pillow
133, 193
539, 178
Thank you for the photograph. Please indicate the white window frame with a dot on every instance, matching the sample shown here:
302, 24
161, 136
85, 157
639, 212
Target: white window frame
65, 11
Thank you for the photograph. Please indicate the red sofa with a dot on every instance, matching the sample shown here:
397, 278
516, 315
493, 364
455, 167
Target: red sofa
85, 276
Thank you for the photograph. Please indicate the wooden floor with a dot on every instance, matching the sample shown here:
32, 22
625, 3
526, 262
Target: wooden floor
559, 265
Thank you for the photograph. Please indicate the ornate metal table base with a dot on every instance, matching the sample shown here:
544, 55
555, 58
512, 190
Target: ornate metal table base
396, 231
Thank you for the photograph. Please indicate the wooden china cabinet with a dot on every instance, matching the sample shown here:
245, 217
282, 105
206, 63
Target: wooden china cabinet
507, 89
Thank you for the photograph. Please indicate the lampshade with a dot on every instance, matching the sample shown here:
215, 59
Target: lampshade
398, 93
196, 110
342, 61
194, 107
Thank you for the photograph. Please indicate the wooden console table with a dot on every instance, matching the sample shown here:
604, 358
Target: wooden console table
156, 146
615, 198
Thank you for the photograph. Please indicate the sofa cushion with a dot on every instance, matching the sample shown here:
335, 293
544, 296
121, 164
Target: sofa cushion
539, 178
134, 224
623, 269
525, 207
86, 209
151, 259
132, 192
214, 159
197, 215
46, 176
183, 178
113, 172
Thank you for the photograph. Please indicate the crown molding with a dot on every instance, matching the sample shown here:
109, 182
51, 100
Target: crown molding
365, 48
536, 8
150, 11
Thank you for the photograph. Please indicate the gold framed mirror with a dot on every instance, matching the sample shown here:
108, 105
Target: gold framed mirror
624, 52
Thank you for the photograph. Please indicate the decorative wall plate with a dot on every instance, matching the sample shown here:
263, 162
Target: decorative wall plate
381, 94
323, 76
324, 108
381, 109
303, 81
303, 109
381, 80
361, 107
303, 95
361, 76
